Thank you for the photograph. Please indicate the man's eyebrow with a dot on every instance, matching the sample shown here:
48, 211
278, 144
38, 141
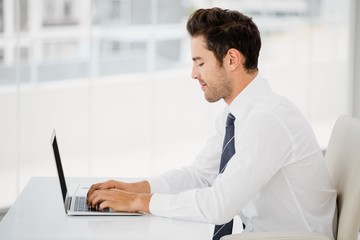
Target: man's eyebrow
196, 58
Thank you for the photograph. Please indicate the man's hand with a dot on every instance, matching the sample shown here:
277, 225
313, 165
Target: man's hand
120, 196
136, 187
119, 200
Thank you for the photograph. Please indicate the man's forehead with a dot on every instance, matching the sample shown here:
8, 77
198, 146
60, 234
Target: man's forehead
198, 48
198, 41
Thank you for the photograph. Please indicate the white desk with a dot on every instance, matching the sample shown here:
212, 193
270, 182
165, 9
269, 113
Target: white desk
39, 213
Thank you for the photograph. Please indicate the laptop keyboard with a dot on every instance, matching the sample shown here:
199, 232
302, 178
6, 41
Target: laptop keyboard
81, 206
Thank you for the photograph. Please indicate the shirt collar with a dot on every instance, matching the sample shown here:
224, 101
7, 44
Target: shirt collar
258, 87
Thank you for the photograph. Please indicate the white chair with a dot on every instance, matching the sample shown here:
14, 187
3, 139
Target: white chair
343, 161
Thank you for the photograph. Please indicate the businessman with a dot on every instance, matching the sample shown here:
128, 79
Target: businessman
263, 161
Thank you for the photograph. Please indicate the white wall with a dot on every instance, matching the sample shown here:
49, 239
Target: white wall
133, 125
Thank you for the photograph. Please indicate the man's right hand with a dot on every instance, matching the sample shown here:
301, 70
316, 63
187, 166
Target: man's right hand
120, 196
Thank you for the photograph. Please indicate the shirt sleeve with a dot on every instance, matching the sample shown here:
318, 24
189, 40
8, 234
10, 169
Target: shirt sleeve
200, 174
261, 144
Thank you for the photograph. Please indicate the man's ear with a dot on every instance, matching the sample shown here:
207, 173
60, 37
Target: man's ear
234, 59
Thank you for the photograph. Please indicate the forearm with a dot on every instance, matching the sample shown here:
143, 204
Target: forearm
142, 197
141, 202
138, 187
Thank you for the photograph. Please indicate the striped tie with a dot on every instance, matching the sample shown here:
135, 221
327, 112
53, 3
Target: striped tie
227, 152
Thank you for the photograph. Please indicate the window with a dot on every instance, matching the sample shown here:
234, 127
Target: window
60, 50
1, 16
116, 57
2, 56
21, 15
23, 55
111, 12
60, 12
168, 54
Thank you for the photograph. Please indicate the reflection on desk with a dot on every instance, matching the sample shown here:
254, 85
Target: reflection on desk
38, 213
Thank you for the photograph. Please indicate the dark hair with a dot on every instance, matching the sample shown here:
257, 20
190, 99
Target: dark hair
225, 29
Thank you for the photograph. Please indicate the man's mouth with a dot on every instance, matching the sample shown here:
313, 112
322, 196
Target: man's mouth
203, 85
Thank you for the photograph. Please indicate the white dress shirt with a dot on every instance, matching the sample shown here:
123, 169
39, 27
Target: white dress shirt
276, 181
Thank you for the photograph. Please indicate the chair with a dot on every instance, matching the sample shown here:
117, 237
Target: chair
343, 161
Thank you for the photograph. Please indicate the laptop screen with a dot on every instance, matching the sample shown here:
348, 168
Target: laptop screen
59, 166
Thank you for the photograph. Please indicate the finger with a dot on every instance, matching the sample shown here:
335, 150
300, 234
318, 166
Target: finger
90, 198
111, 184
110, 198
101, 186
96, 197
116, 206
99, 196
107, 185
93, 188
105, 204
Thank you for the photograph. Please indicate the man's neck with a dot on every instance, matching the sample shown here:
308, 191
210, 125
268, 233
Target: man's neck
240, 83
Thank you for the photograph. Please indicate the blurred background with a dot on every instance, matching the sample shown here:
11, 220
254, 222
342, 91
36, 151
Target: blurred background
112, 77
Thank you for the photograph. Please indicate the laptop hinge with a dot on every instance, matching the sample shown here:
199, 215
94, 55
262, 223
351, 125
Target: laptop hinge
68, 203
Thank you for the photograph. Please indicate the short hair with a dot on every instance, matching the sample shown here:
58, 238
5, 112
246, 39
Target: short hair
223, 29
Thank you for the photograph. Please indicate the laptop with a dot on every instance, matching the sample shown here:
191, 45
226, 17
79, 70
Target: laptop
76, 205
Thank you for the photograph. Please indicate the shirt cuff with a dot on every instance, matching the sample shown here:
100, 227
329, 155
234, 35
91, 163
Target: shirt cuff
159, 204
179, 206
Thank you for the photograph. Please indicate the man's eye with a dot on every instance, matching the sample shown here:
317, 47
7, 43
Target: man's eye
201, 64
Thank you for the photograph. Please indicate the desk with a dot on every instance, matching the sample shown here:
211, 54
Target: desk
39, 213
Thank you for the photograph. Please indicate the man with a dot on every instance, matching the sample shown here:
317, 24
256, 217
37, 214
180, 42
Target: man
269, 168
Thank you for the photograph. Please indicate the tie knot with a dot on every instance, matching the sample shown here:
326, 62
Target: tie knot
230, 120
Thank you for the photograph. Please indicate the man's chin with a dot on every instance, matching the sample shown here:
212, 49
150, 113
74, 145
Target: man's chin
211, 99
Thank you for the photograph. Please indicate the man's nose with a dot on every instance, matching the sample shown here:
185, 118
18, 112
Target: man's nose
194, 73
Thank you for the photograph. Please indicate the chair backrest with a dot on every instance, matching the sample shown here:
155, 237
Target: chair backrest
343, 160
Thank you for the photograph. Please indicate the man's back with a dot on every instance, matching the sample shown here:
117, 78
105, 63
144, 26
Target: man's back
298, 194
